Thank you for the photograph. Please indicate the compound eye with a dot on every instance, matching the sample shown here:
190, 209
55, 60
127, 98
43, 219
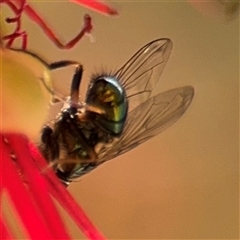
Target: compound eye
103, 92
107, 96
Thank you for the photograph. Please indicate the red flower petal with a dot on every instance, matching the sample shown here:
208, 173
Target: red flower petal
5, 233
30, 189
65, 199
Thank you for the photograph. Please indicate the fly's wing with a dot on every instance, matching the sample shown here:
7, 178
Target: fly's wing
141, 73
149, 119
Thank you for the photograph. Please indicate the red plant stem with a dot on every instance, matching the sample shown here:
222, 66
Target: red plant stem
33, 15
17, 20
13, 6
87, 27
15, 35
97, 6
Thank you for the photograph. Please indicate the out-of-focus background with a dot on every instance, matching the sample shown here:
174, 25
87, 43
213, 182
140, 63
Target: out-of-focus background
184, 182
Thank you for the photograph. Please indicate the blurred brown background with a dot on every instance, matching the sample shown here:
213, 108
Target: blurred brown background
184, 182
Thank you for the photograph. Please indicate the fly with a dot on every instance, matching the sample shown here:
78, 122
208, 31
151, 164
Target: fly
118, 114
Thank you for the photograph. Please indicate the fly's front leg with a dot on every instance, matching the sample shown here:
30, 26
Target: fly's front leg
74, 94
76, 80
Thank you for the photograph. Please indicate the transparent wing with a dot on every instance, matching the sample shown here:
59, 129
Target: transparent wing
141, 73
149, 119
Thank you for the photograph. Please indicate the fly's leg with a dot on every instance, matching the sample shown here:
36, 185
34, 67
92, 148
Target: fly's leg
80, 137
48, 138
74, 94
63, 63
47, 132
74, 100
76, 80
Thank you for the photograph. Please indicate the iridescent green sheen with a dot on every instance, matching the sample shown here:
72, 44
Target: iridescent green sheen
108, 98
